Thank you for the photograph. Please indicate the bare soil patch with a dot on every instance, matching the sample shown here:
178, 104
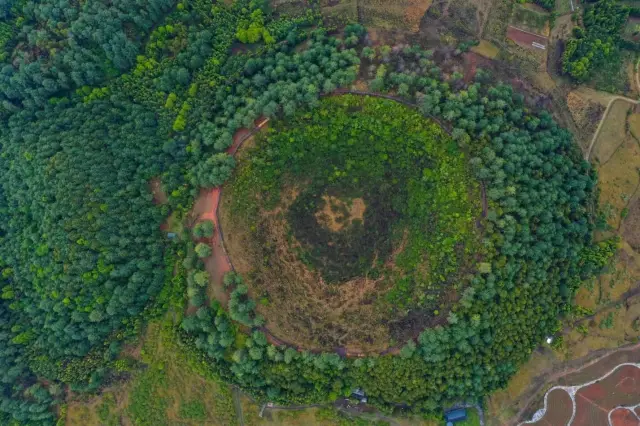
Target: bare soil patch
525, 39
338, 214
559, 409
159, 196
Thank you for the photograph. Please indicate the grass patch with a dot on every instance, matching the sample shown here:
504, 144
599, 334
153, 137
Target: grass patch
499, 15
530, 20
473, 418
612, 75
486, 49
563, 7
173, 388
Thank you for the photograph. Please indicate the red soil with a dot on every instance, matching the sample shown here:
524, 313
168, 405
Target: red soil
594, 402
525, 38
623, 417
559, 409
206, 208
470, 66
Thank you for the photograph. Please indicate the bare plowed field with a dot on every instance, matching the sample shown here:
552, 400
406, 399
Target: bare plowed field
525, 38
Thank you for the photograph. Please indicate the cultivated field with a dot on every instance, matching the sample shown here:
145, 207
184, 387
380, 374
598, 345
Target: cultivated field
596, 402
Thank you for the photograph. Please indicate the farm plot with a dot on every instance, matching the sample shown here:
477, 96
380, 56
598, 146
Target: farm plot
612, 133
559, 409
593, 402
623, 417
526, 39
534, 20
617, 149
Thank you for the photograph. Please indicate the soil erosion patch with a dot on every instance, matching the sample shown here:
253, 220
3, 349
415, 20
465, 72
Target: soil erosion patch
353, 225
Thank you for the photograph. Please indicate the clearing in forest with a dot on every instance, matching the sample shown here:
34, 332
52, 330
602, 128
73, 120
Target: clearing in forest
354, 226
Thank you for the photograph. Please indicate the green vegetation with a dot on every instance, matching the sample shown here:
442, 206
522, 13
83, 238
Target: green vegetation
203, 229
410, 178
598, 43
538, 190
100, 98
528, 18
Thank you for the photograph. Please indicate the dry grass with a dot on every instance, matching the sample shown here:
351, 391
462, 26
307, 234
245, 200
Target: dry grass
340, 11
631, 224
404, 15
83, 414
498, 20
179, 386
585, 112
333, 216
503, 404
486, 49
531, 18
323, 316
613, 132
414, 12
619, 179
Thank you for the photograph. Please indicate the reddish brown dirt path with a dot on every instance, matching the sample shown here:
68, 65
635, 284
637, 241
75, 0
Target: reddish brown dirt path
525, 38
470, 66
206, 208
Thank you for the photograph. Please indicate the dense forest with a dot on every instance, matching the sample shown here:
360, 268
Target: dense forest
99, 98
599, 41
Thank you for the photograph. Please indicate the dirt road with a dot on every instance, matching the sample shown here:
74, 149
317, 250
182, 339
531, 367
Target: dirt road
604, 118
